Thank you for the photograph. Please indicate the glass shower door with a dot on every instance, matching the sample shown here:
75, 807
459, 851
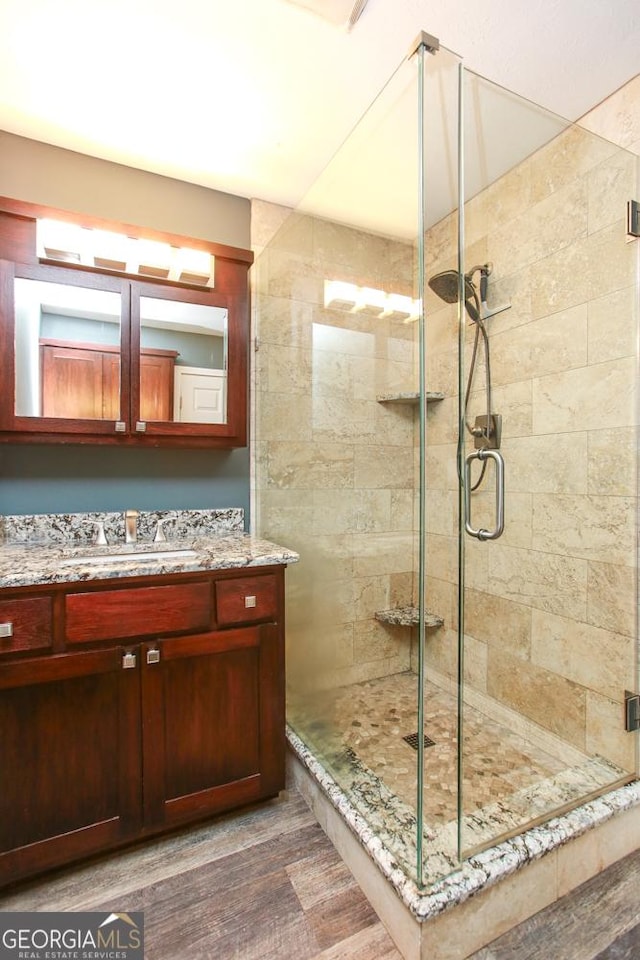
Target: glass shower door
547, 461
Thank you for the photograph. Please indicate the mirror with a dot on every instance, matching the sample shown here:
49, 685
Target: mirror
67, 356
67, 351
183, 361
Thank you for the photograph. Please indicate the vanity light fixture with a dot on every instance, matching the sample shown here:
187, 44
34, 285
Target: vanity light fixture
72, 244
342, 295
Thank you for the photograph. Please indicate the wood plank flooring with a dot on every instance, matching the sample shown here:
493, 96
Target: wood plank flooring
261, 884
266, 884
600, 920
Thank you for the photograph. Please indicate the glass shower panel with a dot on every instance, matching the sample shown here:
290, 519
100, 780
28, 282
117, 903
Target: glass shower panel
549, 631
337, 429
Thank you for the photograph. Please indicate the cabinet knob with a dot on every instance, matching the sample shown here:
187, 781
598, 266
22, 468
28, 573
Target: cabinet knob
141, 426
121, 426
249, 602
128, 661
6, 629
153, 656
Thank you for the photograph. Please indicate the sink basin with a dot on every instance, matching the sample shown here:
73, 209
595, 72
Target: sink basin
153, 556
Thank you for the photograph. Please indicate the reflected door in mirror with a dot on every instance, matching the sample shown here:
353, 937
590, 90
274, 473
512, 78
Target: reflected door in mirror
183, 361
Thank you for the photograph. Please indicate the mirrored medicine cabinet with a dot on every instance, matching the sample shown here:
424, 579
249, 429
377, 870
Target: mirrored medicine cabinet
98, 355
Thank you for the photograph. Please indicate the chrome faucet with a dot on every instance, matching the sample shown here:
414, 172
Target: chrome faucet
130, 526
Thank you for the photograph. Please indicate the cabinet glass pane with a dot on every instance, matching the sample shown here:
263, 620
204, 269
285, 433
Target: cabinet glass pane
67, 349
183, 361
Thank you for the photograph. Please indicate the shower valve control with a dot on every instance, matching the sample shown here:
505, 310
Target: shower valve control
491, 438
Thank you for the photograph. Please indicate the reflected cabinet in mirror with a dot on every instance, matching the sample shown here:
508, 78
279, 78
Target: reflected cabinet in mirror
97, 356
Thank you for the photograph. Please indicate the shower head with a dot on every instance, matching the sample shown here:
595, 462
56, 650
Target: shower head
445, 285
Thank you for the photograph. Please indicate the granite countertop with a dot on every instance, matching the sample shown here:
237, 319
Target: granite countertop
37, 550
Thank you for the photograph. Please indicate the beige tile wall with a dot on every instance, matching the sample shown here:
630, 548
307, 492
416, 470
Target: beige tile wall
334, 471
551, 606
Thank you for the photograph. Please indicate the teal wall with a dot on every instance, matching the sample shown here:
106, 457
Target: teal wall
62, 479
75, 479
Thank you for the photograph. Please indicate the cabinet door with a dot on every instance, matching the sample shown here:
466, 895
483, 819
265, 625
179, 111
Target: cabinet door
71, 382
213, 723
69, 758
156, 385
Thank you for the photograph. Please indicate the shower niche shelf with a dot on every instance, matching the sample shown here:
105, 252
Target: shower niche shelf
408, 617
410, 396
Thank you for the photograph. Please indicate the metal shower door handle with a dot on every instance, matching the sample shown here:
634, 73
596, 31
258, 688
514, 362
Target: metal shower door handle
481, 455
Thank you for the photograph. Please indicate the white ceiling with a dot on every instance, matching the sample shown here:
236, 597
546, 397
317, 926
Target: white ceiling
253, 97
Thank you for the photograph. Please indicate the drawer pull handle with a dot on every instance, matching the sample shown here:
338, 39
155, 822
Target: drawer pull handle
249, 602
128, 661
6, 629
153, 656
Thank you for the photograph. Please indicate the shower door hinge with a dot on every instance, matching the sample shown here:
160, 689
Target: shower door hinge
633, 218
631, 711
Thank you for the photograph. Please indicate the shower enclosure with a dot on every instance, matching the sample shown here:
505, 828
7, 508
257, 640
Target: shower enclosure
445, 411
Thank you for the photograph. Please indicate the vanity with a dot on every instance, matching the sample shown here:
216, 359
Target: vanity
141, 684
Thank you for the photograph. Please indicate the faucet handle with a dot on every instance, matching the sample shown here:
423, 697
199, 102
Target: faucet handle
101, 537
160, 536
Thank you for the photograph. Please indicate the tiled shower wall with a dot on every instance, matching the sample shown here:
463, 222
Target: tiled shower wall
551, 606
550, 621
334, 469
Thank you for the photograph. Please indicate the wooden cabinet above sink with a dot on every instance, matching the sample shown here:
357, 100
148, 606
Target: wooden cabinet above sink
95, 354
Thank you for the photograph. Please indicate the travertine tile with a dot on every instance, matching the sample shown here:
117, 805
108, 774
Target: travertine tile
383, 466
371, 594
555, 703
551, 224
378, 553
571, 154
589, 656
547, 345
612, 325
546, 464
611, 597
596, 528
610, 185
612, 462
475, 663
310, 465
606, 736
376, 641
543, 580
591, 398
484, 610
591, 853
283, 417
284, 321
617, 118
341, 511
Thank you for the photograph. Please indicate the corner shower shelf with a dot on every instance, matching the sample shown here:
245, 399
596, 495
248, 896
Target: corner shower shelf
409, 397
408, 617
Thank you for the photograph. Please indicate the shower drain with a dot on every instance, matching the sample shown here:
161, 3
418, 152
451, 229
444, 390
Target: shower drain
412, 740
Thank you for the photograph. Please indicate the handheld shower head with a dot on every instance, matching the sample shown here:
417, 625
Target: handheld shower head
445, 285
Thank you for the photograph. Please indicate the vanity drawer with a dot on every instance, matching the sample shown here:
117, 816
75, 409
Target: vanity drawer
246, 599
137, 612
25, 624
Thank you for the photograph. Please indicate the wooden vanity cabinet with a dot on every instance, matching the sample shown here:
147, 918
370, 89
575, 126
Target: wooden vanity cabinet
147, 714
